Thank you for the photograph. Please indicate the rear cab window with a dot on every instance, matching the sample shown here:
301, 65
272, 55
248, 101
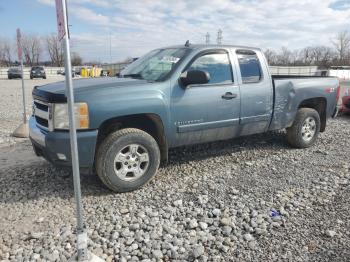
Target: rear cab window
250, 67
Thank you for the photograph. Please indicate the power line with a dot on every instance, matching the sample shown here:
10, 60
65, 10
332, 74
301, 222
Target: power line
207, 38
219, 37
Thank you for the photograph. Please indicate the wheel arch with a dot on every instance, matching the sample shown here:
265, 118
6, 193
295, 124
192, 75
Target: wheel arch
320, 105
149, 122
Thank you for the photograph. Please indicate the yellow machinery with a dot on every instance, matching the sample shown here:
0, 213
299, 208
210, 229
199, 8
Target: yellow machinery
90, 72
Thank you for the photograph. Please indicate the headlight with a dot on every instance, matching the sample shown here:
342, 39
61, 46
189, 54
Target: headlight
61, 119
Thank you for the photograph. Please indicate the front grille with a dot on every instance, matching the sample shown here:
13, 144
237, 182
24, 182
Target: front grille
41, 106
42, 122
42, 114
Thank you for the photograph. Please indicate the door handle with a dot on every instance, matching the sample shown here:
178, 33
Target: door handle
228, 95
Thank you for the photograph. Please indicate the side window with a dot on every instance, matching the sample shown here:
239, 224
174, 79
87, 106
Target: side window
250, 67
217, 65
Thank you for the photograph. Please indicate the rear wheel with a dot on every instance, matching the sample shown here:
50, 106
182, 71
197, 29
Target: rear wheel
305, 129
127, 159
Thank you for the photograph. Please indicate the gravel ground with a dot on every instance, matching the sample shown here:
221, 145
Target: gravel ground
247, 199
11, 108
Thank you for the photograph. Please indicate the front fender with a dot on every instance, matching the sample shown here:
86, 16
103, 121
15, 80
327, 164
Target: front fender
130, 102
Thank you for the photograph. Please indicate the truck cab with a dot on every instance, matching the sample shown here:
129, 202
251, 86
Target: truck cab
214, 110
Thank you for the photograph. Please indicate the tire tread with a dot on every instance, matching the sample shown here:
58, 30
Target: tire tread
103, 148
293, 132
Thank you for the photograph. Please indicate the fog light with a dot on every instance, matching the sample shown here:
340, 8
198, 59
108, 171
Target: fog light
61, 156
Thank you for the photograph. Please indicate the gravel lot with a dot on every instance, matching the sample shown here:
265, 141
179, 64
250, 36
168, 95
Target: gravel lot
250, 199
11, 108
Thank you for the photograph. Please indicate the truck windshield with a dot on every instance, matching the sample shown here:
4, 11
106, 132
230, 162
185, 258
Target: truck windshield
156, 65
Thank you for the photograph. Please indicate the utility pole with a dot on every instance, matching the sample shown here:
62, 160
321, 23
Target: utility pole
110, 47
207, 38
219, 37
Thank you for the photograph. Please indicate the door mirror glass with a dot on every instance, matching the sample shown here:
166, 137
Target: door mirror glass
194, 77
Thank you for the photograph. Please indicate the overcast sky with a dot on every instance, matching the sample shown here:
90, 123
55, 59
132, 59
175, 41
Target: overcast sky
136, 26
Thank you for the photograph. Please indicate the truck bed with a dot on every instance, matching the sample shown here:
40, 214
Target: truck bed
291, 91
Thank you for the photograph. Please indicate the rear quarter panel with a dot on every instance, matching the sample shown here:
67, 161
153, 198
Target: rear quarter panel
291, 92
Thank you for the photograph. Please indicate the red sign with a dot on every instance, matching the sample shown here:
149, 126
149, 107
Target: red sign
19, 45
60, 19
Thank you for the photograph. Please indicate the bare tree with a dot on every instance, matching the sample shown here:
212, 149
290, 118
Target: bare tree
342, 44
55, 50
76, 59
306, 55
322, 56
317, 55
284, 57
271, 56
32, 49
5, 52
295, 58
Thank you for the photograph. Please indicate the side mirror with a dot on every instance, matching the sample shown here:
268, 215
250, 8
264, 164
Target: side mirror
193, 77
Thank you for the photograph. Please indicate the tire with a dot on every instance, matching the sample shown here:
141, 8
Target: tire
31, 77
44, 77
111, 171
305, 129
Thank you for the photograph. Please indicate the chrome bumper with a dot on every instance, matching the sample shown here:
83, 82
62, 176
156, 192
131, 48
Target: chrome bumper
35, 133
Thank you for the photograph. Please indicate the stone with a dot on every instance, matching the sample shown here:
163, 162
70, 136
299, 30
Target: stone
203, 225
216, 212
331, 233
198, 251
193, 224
178, 203
157, 254
248, 237
225, 221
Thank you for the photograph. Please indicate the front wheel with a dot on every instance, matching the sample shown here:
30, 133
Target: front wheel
127, 159
305, 129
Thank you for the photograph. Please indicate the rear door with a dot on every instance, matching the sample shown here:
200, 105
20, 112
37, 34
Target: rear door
256, 92
207, 112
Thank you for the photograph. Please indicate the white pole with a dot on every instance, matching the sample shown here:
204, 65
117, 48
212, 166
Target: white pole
81, 233
23, 95
22, 129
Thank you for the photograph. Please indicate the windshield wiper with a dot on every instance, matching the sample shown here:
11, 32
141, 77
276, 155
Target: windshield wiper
136, 76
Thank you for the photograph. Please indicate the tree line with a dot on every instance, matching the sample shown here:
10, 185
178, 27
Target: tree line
34, 47
337, 54
33, 51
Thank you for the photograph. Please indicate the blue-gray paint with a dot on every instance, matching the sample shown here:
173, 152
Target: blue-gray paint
196, 114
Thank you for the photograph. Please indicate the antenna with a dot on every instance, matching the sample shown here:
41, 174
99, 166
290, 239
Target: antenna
219, 38
207, 38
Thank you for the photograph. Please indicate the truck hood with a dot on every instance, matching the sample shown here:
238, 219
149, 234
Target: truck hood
56, 92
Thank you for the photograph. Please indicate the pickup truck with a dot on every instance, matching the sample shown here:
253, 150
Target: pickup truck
172, 97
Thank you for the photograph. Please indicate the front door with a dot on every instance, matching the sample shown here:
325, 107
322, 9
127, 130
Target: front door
207, 112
